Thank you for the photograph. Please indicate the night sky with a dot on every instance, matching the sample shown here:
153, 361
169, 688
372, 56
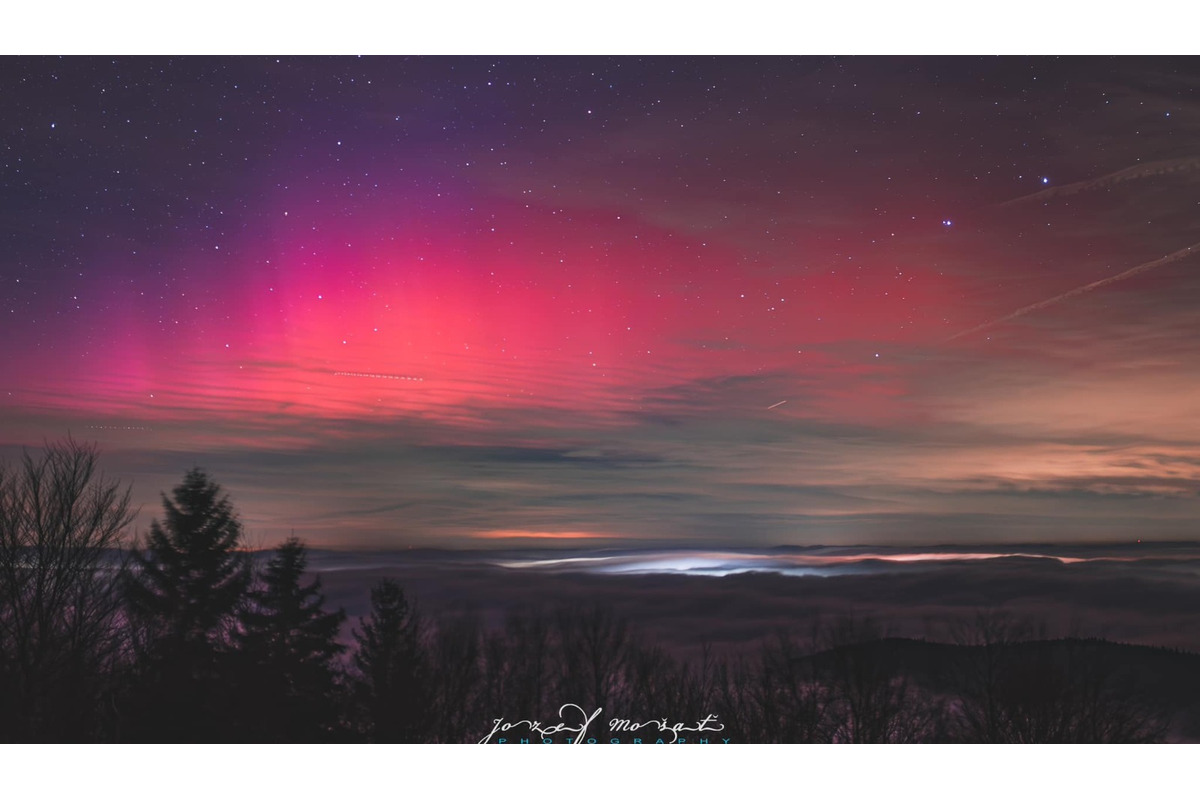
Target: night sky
462, 302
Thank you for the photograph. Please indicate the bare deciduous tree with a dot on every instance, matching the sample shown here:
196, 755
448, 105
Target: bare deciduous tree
791, 704
521, 675
1015, 686
60, 529
595, 646
873, 699
457, 657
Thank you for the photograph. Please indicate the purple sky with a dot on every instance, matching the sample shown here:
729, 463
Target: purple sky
469, 301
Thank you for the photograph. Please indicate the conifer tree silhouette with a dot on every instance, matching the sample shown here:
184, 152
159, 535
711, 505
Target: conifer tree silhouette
182, 592
189, 579
289, 651
391, 668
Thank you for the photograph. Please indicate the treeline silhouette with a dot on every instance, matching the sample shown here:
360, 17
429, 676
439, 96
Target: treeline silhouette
189, 638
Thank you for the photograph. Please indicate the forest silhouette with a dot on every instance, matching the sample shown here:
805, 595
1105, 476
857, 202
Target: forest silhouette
189, 637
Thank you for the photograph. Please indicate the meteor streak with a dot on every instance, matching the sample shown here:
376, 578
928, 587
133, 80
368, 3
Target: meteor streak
777, 405
1129, 273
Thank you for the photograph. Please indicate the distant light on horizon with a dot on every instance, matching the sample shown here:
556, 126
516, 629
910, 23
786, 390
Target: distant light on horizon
705, 563
519, 534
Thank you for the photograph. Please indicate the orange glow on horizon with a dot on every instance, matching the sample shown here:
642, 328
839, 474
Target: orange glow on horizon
515, 534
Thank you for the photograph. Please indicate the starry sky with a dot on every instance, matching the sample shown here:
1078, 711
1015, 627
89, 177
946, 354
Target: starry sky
478, 302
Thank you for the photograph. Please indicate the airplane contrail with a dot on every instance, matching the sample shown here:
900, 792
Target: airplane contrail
119, 428
777, 405
1129, 273
1147, 170
379, 376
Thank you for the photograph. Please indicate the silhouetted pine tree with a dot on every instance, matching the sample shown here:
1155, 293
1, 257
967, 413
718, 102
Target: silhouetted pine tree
289, 651
391, 683
182, 593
